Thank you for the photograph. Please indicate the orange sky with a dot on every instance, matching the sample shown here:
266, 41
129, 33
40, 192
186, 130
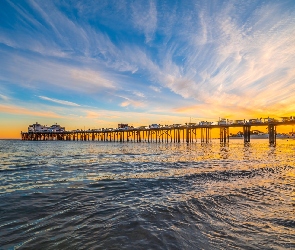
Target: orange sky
13, 124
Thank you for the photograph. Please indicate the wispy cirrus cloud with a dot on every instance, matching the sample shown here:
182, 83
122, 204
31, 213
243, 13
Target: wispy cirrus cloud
235, 64
156, 89
17, 110
63, 102
4, 97
138, 93
154, 55
145, 18
91, 77
130, 102
29, 72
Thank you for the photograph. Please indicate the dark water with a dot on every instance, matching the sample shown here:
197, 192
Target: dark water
95, 195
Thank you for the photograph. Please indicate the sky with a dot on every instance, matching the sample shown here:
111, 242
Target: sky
93, 64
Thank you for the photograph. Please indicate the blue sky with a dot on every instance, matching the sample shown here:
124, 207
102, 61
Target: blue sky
98, 63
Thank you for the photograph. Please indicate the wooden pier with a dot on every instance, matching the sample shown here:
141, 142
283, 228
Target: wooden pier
175, 134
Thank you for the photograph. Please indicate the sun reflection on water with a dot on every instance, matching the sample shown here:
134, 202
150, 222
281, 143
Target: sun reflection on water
218, 192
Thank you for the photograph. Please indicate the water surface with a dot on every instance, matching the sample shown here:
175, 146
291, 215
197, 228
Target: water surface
103, 195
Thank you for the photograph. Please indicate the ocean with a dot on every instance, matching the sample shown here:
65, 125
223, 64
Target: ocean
106, 195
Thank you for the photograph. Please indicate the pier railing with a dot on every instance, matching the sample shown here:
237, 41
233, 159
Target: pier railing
176, 134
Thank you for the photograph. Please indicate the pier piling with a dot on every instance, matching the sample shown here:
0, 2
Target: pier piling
272, 134
246, 132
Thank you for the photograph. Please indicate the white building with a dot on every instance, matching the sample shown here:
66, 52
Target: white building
154, 126
222, 121
56, 128
40, 128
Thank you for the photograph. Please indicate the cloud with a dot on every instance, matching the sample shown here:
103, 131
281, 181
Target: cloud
235, 112
90, 77
144, 14
139, 94
131, 102
3, 97
30, 71
125, 103
59, 101
243, 64
107, 117
17, 110
208, 56
92, 115
156, 89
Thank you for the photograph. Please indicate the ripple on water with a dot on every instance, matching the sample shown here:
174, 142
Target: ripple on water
65, 195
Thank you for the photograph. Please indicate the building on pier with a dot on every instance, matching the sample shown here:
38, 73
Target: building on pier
40, 128
239, 121
123, 126
155, 126
222, 121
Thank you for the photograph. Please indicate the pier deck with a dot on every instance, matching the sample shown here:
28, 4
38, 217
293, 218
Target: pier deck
176, 134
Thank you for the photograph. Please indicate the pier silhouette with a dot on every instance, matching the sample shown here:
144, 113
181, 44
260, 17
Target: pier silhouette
176, 133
